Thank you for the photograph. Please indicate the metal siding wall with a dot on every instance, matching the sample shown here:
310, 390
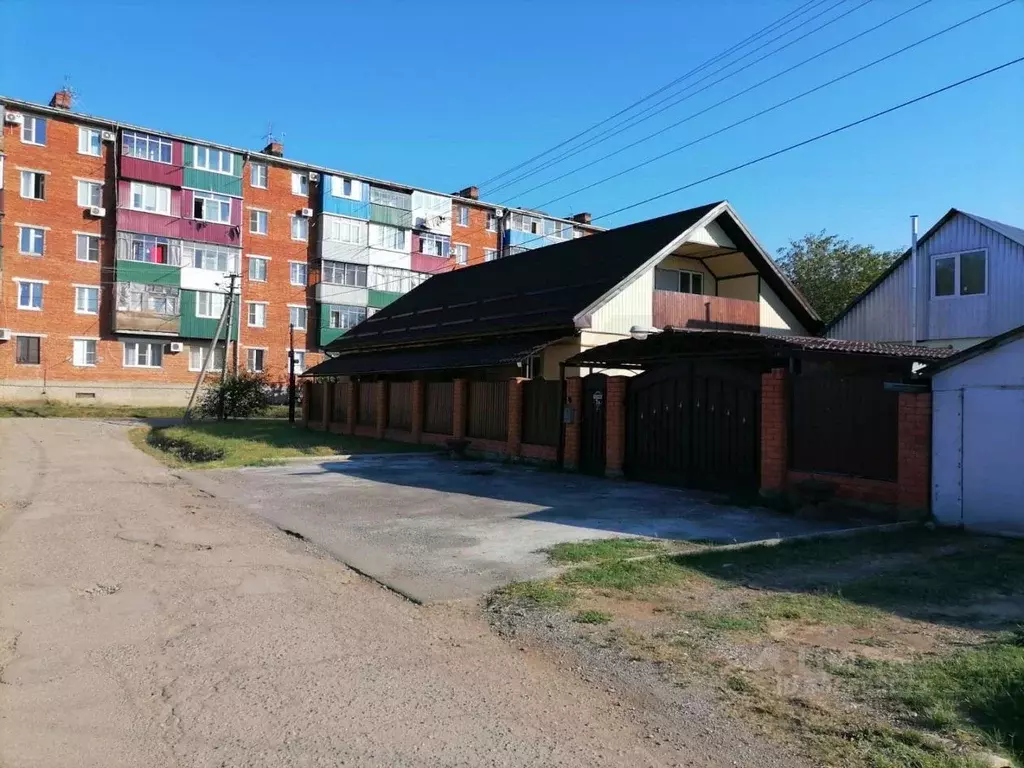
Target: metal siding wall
882, 315
632, 306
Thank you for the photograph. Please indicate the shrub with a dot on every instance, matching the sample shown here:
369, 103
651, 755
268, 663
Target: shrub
245, 394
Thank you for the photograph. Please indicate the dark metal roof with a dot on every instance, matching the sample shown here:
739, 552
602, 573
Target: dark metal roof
677, 343
500, 351
970, 352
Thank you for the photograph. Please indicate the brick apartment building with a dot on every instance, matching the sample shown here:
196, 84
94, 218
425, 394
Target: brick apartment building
124, 251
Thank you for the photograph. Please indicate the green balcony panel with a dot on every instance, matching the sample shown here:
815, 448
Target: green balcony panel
144, 272
385, 214
327, 335
379, 299
193, 327
208, 181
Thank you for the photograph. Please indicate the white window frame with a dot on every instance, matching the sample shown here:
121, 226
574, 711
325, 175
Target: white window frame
344, 310
211, 311
89, 186
150, 346
34, 122
265, 261
212, 201
208, 153
381, 235
89, 238
148, 140
249, 362
291, 273
83, 360
439, 240
31, 175
462, 212
956, 255
41, 239
265, 218
28, 307
203, 350
252, 305
300, 184
299, 354
85, 141
679, 278
160, 195
198, 255
256, 171
39, 342
455, 253
490, 254
338, 188
492, 221
305, 222
81, 290
341, 229
305, 316
346, 268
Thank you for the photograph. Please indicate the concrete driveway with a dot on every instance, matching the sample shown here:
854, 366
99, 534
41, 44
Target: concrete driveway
436, 529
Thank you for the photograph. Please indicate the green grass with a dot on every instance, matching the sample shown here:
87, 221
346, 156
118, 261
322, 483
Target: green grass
262, 442
592, 617
601, 549
627, 575
44, 409
542, 593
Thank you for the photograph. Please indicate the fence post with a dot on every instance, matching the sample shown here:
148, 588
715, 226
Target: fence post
515, 417
352, 410
914, 450
774, 430
328, 405
573, 399
417, 410
307, 388
459, 393
382, 409
615, 426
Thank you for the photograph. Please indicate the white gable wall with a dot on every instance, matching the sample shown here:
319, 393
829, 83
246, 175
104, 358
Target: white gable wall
633, 305
775, 316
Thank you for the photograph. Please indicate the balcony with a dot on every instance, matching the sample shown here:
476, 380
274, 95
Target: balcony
394, 217
334, 293
422, 262
689, 310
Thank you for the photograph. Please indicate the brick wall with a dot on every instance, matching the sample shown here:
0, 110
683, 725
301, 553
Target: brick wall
774, 429
475, 235
915, 446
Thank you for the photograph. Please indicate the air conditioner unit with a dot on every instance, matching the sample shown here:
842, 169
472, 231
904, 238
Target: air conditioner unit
97, 211
5, 334
14, 117
176, 346
306, 213
314, 176
108, 135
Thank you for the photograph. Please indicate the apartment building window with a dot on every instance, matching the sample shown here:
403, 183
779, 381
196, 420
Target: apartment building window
434, 245
342, 273
960, 274
390, 238
557, 230
492, 221
342, 187
87, 248
207, 206
197, 354
146, 147
210, 305
300, 184
391, 198
258, 222
343, 317
33, 185
346, 231
258, 175
300, 228
31, 240
143, 354
490, 254
27, 350
678, 281
214, 160
297, 316
254, 359
148, 248
90, 142
461, 253
90, 193
299, 357
150, 198
30, 294
152, 299
258, 314
83, 352
33, 131
258, 268
87, 299
211, 257
462, 215
298, 273
522, 222
394, 279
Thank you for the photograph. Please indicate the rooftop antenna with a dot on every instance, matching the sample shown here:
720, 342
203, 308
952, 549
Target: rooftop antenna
270, 137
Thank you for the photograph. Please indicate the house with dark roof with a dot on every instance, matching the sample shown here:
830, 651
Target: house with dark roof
524, 316
966, 288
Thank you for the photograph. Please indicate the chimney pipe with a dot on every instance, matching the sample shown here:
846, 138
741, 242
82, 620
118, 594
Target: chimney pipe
582, 218
61, 99
913, 279
275, 148
472, 193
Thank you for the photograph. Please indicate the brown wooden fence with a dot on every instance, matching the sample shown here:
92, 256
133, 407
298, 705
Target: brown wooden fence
438, 407
316, 402
542, 411
487, 416
400, 405
366, 412
339, 415
844, 424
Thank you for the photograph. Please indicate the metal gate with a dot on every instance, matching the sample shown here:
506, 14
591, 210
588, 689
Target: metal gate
592, 424
695, 424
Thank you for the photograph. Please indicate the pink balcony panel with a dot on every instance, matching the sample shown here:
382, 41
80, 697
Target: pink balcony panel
688, 310
155, 173
148, 223
421, 262
207, 232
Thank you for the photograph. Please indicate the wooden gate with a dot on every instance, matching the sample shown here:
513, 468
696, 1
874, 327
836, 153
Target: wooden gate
695, 424
592, 424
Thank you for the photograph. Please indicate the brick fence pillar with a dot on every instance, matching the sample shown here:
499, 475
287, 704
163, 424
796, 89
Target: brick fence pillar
417, 410
328, 405
515, 417
459, 392
914, 451
573, 399
307, 388
615, 426
774, 429
382, 409
352, 407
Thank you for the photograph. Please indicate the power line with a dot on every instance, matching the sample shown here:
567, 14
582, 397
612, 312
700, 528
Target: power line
663, 88
754, 115
635, 120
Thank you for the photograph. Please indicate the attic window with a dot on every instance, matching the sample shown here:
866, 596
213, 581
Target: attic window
678, 281
959, 274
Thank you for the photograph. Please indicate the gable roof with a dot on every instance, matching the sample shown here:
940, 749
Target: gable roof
1011, 233
978, 349
548, 287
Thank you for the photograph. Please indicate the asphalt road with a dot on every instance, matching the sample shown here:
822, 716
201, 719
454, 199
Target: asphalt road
146, 623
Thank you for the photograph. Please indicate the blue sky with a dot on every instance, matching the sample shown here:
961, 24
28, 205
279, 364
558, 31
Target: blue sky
444, 94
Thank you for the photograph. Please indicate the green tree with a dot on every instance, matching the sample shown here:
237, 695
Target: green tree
832, 272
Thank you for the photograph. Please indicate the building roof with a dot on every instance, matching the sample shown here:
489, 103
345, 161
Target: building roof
978, 349
677, 343
1012, 233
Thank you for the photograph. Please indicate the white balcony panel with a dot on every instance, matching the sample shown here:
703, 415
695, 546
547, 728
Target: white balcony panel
329, 293
208, 280
355, 254
380, 257
432, 212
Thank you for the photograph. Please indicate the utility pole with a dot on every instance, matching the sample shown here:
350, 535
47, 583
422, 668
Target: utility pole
291, 373
206, 364
230, 309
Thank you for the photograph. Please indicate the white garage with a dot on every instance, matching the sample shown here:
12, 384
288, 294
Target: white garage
978, 436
